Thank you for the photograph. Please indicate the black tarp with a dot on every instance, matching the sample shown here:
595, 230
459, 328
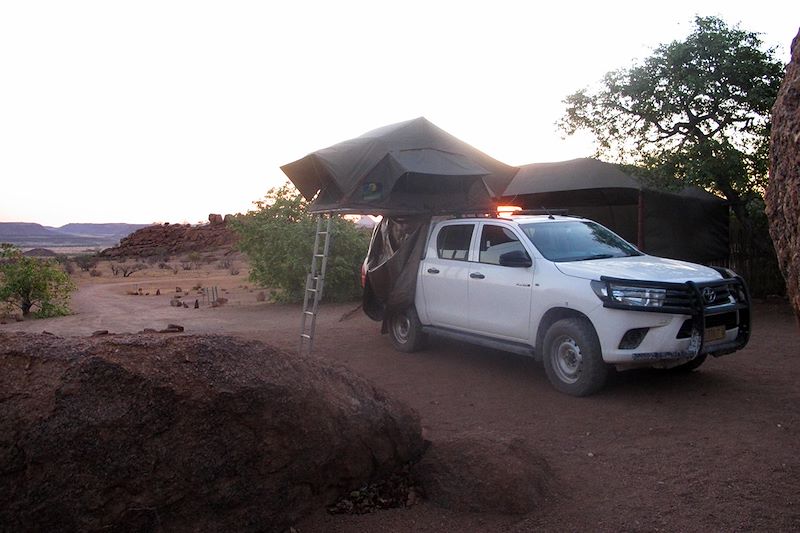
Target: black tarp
392, 262
408, 168
691, 224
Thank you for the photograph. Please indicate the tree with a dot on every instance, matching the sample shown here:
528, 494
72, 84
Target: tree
86, 262
28, 283
278, 237
125, 268
697, 110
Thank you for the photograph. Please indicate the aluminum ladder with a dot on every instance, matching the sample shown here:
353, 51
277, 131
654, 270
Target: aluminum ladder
315, 281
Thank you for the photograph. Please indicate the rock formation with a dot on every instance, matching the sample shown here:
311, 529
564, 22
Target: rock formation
171, 239
186, 433
783, 192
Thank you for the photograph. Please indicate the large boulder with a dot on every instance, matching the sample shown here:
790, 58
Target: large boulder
189, 433
485, 473
783, 192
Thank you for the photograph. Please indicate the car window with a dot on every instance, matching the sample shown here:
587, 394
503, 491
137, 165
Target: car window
495, 241
453, 241
577, 241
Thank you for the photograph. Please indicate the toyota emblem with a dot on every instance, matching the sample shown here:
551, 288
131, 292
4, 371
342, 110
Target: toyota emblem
709, 295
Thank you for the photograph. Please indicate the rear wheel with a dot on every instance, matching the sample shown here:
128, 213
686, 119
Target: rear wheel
572, 358
405, 331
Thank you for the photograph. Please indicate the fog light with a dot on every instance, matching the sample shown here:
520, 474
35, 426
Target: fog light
633, 338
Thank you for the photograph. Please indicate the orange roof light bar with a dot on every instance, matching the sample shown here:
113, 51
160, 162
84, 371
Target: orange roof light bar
507, 209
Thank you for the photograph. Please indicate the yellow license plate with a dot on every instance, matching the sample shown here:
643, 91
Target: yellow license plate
714, 334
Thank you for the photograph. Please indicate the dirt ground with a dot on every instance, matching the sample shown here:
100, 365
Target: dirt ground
717, 449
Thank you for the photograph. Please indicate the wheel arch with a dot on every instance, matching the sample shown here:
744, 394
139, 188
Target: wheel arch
552, 316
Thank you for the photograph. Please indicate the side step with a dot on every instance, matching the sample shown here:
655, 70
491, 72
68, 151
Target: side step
519, 348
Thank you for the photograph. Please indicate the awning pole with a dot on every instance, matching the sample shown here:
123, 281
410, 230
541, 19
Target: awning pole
640, 222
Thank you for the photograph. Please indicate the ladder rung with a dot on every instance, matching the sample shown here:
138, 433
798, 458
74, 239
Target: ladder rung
305, 336
309, 313
319, 255
311, 290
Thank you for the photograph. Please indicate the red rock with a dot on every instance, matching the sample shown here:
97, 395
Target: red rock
184, 433
783, 209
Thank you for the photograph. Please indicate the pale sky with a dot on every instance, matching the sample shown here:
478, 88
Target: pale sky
167, 111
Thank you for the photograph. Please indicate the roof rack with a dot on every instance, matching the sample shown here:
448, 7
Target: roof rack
560, 212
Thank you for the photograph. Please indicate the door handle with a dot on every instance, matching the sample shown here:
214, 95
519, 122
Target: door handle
433, 271
476, 275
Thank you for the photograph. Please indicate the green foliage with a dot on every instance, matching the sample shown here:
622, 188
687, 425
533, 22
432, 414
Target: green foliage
278, 237
697, 110
86, 262
30, 283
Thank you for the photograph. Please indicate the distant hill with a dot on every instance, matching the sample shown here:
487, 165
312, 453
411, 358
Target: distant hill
114, 231
29, 234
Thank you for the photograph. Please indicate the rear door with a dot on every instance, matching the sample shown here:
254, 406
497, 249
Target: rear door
445, 274
499, 296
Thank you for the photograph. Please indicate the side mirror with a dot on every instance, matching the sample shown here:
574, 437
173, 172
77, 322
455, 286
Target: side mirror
515, 258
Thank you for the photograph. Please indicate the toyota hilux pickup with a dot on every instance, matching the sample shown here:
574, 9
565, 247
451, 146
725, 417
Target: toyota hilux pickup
572, 294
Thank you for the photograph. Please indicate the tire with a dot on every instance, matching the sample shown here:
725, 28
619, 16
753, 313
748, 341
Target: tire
405, 331
689, 366
572, 357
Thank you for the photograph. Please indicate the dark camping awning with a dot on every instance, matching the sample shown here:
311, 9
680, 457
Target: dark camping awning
408, 168
691, 224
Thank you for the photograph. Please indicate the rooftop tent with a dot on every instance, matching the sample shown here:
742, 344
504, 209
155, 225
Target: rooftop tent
407, 168
691, 224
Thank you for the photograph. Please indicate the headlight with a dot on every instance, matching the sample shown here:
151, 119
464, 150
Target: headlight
629, 295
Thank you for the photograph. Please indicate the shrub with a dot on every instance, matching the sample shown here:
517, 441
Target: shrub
278, 237
29, 283
86, 262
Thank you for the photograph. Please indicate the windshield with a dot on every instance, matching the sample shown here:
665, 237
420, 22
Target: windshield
576, 240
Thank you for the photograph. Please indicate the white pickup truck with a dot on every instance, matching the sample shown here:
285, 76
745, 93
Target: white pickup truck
571, 293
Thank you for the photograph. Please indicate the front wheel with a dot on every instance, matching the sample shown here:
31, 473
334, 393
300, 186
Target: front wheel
405, 331
572, 358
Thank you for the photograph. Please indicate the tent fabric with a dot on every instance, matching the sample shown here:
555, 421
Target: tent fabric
585, 173
575, 174
407, 168
691, 224
392, 262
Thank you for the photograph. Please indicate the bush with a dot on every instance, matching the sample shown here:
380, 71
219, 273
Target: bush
86, 262
278, 237
29, 283
126, 269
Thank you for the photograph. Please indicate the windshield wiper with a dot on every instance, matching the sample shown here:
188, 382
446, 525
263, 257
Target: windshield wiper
596, 256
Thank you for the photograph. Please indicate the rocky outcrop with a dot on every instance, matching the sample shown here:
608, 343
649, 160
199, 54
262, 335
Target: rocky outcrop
783, 192
186, 433
484, 473
171, 239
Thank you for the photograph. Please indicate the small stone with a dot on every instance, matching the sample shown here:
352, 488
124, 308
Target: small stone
590, 454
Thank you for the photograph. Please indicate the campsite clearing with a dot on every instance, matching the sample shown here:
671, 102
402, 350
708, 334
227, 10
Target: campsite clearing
714, 449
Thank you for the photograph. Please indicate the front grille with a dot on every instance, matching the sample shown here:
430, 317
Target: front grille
729, 320
685, 297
